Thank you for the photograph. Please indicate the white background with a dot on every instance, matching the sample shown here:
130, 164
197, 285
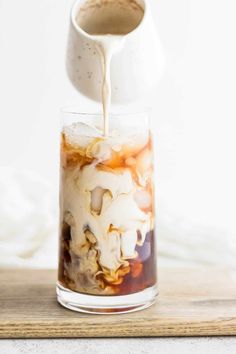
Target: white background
194, 106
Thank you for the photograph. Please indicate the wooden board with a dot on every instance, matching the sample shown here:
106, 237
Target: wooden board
192, 302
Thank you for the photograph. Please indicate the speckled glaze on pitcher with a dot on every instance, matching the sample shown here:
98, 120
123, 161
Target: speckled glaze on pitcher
135, 68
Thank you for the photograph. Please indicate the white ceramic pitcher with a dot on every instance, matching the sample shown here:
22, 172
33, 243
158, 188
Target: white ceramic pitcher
135, 69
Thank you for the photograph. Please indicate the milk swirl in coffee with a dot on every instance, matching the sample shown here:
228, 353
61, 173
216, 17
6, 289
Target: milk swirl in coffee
107, 199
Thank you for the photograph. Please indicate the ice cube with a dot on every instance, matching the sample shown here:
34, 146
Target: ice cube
143, 199
80, 134
97, 199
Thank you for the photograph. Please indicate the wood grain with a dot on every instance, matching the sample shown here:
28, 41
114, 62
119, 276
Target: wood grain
193, 302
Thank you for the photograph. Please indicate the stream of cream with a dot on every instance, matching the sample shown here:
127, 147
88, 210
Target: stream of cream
107, 46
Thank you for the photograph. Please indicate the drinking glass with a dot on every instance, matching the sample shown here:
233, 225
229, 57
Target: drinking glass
107, 247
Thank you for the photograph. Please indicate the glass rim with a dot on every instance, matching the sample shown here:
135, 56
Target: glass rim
73, 110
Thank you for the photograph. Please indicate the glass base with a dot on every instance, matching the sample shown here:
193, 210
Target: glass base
106, 304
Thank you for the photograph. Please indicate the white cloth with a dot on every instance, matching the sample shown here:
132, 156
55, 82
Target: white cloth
28, 220
183, 242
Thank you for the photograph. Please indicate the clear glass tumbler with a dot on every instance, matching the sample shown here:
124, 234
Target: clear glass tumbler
107, 256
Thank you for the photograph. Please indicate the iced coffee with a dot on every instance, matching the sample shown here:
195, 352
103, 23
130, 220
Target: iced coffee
107, 242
